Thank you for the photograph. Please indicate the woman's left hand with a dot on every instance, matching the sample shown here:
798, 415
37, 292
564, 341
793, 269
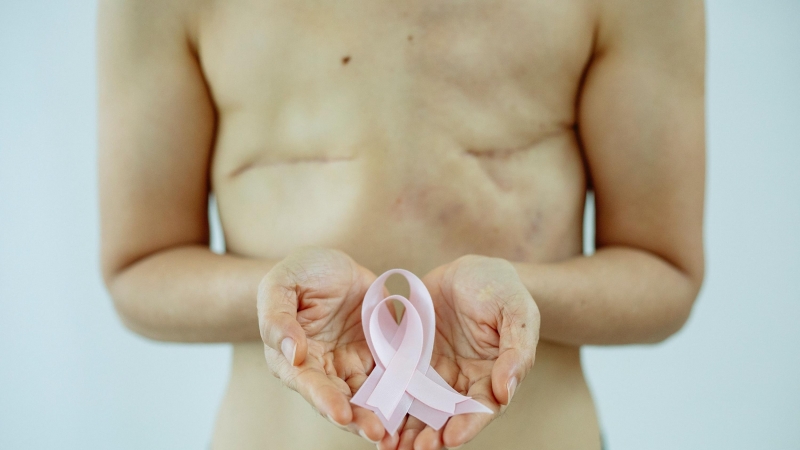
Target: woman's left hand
487, 329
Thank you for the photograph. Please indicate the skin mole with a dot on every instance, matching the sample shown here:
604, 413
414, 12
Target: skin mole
345, 60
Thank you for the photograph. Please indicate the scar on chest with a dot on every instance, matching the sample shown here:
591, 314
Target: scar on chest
496, 153
508, 152
310, 160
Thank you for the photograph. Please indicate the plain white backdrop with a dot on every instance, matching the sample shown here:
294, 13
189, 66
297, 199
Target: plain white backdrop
71, 377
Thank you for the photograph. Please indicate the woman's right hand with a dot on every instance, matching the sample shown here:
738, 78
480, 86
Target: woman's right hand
309, 313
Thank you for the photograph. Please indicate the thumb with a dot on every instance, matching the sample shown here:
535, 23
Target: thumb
507, 373
518, 340
277, 316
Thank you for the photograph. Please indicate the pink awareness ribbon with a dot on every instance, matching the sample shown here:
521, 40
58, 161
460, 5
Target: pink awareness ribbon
403, 381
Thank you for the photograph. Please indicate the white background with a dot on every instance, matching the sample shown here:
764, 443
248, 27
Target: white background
71, 377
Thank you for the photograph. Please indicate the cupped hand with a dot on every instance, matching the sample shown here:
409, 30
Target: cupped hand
309, 311
487, 329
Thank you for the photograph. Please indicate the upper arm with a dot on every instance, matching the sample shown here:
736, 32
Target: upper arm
156, 125
641, 121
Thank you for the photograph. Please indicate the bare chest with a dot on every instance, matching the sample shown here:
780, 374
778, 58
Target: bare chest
340, 74
457, 113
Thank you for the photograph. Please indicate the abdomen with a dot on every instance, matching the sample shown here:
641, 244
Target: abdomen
552, 409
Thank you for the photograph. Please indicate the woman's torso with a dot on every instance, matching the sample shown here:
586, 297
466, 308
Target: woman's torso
406, 134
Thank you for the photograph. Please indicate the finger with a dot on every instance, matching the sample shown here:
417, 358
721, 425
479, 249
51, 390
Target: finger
318, 390
277, 316
354, 381
429, 439
410, 431
407, 439
463, 428
365, 423
368, 425
518, 339
351, 363
507, 373
390, 441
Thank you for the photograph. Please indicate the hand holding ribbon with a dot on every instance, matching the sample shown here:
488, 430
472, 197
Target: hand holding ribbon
308, 308
403, 381
487, 329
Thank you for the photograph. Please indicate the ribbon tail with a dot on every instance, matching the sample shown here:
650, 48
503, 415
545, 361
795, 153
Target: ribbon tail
470, 405
430, 416
436, 419
392, 422
432, 394
464, 407
436, 378
435, 401
363, 393
392, 385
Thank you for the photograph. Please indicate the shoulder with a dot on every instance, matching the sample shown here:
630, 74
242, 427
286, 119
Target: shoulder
148, 24
668, 35
665, 18
669, 30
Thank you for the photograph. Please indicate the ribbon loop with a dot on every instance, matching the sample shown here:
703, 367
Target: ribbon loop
401, 365
403, 381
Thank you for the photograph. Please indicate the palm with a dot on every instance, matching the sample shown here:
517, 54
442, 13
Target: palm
466, 345
314, 297
331, 318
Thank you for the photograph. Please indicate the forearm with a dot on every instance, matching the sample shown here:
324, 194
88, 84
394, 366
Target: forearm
618, 295
190, 294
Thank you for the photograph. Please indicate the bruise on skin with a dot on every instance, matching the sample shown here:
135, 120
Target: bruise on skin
450, 212
520, 254
411, 202
531, 233
534, 226
430, 203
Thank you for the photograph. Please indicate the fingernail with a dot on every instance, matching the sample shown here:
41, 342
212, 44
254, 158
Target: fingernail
337, 423
512, 386
364, 435
289, 348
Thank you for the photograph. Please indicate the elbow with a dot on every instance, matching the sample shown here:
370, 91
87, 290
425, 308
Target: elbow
680, 308
676, 319
130, 310
125, 292
134, 321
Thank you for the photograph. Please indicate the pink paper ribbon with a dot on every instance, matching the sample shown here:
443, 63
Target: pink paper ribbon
403, 381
